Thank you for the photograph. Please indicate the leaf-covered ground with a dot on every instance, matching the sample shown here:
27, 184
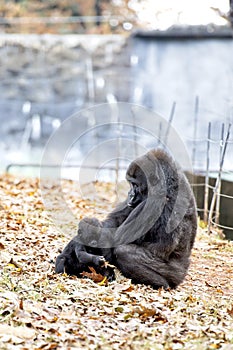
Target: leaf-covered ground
42, 310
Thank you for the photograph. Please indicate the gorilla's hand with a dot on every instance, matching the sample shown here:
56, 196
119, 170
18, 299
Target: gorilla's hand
99, 260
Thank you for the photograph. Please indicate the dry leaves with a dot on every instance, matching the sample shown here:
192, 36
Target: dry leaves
42, 310
94, 276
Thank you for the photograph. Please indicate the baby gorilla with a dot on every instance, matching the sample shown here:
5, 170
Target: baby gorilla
78, 257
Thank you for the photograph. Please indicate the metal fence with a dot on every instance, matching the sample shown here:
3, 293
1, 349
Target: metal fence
216, 184
213, 188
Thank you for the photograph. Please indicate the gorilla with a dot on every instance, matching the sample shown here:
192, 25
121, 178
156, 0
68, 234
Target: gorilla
148, 237
77, 257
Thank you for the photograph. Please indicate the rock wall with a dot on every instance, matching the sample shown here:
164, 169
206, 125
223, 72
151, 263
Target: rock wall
58, 75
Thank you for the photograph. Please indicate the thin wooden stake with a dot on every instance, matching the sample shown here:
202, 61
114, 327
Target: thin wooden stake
90, 80
160, 134
115, 118
172, 113
195, 130
206, 196
119, 145
135, 134
218, 178
218, 199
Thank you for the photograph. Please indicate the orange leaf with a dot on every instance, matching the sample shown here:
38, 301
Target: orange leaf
230, 311
93, 275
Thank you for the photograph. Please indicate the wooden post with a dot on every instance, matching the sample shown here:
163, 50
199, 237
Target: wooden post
119, 145
172, 113
160, 134
218, 178
218, 199
135, 134
115, 118
206, 196
195, 130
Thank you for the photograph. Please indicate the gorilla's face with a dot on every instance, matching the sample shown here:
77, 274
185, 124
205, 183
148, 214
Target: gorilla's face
134, 195
138, 186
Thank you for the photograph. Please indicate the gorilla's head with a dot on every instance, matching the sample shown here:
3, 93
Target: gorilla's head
138, 185
151, 174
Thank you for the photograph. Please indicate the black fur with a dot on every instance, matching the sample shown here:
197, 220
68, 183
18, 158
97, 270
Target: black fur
77, 257
149, 236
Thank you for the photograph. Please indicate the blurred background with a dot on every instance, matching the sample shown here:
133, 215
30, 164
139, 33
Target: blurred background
61, 57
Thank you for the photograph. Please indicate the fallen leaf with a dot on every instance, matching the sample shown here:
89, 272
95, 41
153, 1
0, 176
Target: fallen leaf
103, 281
129, 289
145, 312
93, 275
230, 311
